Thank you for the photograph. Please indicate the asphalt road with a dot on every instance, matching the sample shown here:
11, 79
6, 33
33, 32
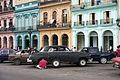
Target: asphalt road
66, 72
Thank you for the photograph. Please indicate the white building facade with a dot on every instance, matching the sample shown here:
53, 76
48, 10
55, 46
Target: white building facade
94, 24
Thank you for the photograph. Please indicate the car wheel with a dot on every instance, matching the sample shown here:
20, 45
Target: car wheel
103, 60
56, 63
82, 62
17, 62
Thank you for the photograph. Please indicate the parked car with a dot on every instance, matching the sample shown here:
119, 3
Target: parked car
20, 57
116, 62
96, 55
56, 55
5, 52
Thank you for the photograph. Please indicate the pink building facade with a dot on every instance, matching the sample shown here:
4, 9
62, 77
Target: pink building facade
7, 24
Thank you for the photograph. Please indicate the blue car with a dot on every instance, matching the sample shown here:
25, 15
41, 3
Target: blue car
4, 53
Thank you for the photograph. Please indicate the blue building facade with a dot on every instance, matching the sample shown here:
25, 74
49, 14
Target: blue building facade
27, 19
94, 24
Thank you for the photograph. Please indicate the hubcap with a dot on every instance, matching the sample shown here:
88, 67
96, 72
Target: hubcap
103, 60
56, 63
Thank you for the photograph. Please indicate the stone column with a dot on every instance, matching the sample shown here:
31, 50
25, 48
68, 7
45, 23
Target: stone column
100, 41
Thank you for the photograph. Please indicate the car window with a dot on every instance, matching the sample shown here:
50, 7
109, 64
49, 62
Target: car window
11, 51
5, 51
52, 49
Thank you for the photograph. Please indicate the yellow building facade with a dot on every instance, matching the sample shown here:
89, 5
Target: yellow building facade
55, 23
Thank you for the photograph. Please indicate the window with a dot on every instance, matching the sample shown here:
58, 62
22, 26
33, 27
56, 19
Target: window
54, 15
5, 24
106, 17
26, 22
64, 17
19, 22
45, 16
80, 2
92, 18
11, 23
92, 2
34, 22
79, 19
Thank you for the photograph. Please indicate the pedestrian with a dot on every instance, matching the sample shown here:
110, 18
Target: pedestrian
42, 64
118, 51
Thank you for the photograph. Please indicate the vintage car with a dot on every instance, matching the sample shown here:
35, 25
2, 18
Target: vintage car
116, 62
5, 52
100, 56
56, 55
20, 57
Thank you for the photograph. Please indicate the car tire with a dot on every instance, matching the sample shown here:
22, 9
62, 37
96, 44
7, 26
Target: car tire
103, 60
82, 62
56, 63
17, 62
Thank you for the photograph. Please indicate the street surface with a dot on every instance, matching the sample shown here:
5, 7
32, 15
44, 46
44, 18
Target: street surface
66, 72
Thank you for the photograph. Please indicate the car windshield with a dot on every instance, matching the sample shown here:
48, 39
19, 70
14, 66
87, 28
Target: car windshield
44, 49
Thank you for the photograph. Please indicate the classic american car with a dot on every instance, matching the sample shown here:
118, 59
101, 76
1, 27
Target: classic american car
56, 55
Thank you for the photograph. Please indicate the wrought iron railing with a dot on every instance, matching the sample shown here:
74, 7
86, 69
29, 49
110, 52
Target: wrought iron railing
106, 21
7, 29
96, 3
92, 22
52, 1
81, 23
57, 25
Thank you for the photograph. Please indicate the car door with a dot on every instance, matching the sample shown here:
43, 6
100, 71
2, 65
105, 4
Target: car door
24, 55
5, 53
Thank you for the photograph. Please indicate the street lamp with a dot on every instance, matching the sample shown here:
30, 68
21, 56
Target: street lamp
30, 32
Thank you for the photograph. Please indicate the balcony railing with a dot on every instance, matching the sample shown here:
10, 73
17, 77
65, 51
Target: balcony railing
106, 21
92, 22
96, 3
57, 25
81, 23
52, 1
6, 9
9, 29
22, 29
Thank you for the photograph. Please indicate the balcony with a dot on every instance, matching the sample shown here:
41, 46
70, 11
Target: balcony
6, 9
80, 24
105, 22
24, 29
93, 4
51, 2
9, 29
55, 26
92, 23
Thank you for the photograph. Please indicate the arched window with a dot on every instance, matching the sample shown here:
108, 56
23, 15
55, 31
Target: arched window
26, 22
64, 17
54, 15
34, 22
45, 16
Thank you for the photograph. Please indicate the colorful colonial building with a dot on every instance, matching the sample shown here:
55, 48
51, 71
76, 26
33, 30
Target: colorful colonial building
55, 22
94, 24
27, 16
7, 24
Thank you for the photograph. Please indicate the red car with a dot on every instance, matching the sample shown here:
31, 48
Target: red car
116, 62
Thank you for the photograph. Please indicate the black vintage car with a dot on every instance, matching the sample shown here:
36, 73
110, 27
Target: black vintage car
56, 55
100, 56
